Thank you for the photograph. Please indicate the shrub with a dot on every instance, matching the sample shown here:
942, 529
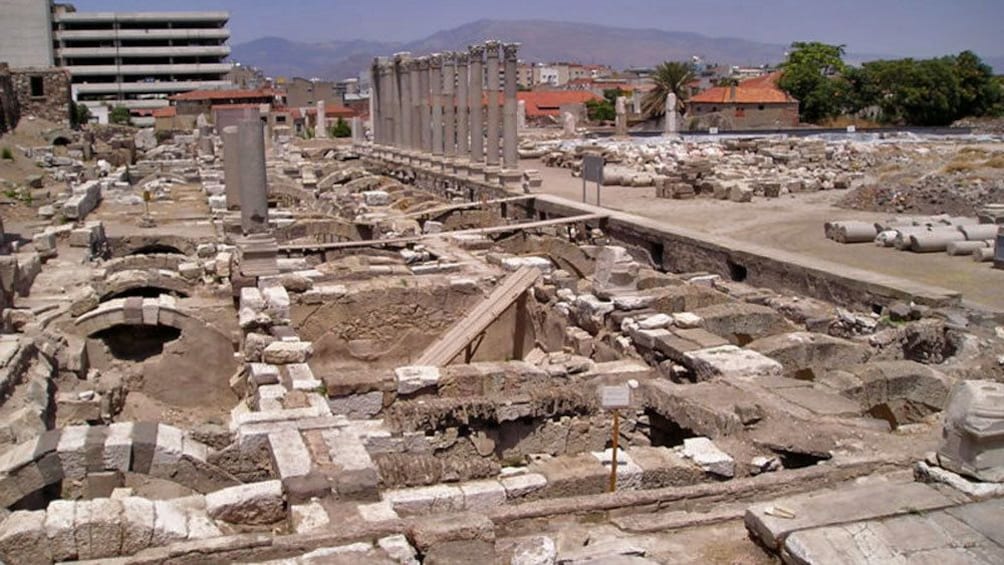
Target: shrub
6, 154
341, 129
120, 115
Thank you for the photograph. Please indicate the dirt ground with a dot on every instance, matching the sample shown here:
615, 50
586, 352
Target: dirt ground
792, 223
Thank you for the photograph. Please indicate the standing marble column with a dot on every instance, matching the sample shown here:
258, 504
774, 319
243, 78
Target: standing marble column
321, 123
375, 100
436, 96
415, 91
387, 95
494, 113
254, 187
402, 64
425, 104
232, 167
621, 124
670, 126
510, 156
477, 83
395, 78
449, 106
463, 107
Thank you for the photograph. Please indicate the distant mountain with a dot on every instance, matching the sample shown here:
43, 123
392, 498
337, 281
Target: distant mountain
541, 41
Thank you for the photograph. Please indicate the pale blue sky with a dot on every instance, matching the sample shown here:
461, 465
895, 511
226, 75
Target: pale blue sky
918, 28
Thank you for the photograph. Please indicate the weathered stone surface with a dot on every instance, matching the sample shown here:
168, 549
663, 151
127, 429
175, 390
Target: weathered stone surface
286, 352
806, 354
732, 362
309, 517
22, 538
426, 500
708, 457
770, 522
59, 529
415, 378
256, 503
463, 526
481, 496
289, 454
170, 524
974, 431
742, 322
137, 524
534, 550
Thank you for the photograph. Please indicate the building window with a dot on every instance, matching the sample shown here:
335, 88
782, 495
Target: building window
37, 87
760, 107
740, 112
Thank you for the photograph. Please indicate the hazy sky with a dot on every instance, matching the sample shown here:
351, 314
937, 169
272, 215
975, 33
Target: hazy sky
894, 27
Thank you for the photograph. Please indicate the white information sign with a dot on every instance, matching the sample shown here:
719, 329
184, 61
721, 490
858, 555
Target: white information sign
614, 397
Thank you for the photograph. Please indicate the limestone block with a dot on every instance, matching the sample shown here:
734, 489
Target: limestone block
310, 517
687, 320
425, 500
103, 526
263, 374
655, 321
376, 198
287, 352
377, 512
629, 474
481, 496
289, 454
72, 454
398, 549
117, 454
708, 457
534, 550
730, 361
358, 406
137, 524
255, 503
23, 538
169, 448
59, 529
224, 260
302, 377
522, 485
414, 378
434, 531
201, 526
169, 525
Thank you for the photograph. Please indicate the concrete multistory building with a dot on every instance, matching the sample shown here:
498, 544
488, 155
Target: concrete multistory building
26, 33
138, 59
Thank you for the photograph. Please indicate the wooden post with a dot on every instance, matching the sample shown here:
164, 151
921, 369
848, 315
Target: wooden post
613, 455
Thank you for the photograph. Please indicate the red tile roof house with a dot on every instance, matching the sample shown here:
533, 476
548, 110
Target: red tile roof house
545, 107
757, 103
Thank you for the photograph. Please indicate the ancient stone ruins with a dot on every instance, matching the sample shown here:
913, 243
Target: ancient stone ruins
230, 345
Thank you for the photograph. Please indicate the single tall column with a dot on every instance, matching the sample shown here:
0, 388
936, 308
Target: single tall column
321, 124
463, 107
510, 157
375, 100
387, 95
414, 78
426, 105
494, 113
621, 124
232, 167
436, 96
395, 74
670, 125
449, 106
254, 188
403, 63
477, 53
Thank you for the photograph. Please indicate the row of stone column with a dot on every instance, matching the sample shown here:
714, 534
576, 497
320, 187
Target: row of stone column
435, 104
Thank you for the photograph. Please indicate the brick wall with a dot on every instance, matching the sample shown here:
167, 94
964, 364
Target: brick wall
43, 93
743, 116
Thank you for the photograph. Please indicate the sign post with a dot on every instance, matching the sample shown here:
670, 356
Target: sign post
592, 171
614, 398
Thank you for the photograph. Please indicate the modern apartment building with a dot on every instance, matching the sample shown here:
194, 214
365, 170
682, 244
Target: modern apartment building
139, 59
131, 59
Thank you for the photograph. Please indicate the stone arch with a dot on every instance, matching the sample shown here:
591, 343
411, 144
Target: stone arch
145, 261
289, 194
137, 311
152, 244
167, 282
147, 448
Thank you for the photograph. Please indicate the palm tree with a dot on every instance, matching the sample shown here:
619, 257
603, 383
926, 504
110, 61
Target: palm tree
671, 76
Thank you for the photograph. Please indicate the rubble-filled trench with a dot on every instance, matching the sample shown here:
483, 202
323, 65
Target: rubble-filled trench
402, 374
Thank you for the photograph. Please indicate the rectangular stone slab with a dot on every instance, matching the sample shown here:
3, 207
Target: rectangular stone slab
843, 505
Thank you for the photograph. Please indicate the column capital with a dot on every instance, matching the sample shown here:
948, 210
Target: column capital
476, 51
460, 57
401, 57
510, 51
492, 48
449, 58
436, 61
422, 63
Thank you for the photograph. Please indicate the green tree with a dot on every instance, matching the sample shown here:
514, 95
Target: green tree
979, 92
670, 76
604, 110
341, 129
120, 115
812, 74
80, 114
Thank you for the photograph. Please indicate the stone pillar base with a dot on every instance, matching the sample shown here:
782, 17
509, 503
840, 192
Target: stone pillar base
476, 170
511, 178
492, 175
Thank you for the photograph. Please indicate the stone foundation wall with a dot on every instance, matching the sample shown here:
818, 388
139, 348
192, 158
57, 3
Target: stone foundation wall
53, 103
9, 109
